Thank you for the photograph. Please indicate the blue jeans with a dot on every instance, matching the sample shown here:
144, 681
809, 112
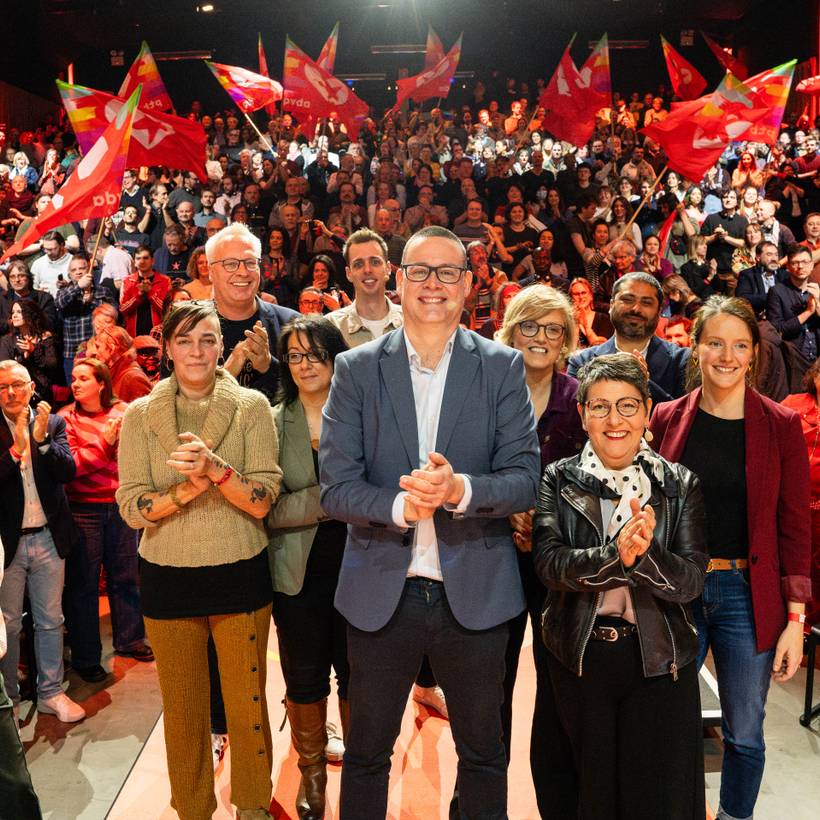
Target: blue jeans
110, 542
724, 618
37, 566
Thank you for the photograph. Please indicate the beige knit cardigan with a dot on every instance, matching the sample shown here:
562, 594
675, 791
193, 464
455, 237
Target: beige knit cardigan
209, 530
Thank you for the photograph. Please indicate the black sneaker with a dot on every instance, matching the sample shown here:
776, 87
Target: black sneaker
91, 674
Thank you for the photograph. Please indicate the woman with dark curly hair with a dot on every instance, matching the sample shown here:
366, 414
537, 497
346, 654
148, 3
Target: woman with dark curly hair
30, 343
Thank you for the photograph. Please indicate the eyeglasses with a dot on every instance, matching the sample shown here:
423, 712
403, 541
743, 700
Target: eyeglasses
446, 274
600, 409
294, 357
373, 261
232, 265
13, 386
551, 330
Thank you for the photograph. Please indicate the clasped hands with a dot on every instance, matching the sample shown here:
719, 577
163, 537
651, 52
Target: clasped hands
430, 487
194, 460
254, 348
635, 536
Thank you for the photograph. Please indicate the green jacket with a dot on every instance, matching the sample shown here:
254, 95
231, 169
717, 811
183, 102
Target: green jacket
295, 516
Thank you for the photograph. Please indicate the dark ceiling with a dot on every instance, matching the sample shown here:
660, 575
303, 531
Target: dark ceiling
522, 38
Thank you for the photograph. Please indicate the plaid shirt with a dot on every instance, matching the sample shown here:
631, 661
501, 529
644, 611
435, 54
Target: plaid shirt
76, 315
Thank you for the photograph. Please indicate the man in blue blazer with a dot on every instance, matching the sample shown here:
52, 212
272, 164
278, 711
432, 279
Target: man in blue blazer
428, 445
635, 310
754, 284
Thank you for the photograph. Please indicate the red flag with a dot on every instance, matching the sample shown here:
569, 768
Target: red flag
687, 82
144, 72
327, 56
569, 108
665, 232
313, 93
249, 90
434, 82
725, 58
263, 70
93, 190
695, 133
434, 53
157, 139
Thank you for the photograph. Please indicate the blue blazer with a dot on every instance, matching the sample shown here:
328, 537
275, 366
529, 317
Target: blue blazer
666, 361
369, 440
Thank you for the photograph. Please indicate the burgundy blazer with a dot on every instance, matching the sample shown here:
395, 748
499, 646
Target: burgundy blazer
777, 500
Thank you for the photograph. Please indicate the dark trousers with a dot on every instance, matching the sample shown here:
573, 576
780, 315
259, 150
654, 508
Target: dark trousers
638, 742
312, 638
551, 760
107, 541
17, 797
469, 667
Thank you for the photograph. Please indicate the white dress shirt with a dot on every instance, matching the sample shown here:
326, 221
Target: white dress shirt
33, 514
428, 393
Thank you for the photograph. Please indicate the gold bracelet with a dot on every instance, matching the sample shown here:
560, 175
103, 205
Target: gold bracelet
172, 494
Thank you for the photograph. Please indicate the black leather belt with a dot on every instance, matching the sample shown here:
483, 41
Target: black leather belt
612, 633
32, 530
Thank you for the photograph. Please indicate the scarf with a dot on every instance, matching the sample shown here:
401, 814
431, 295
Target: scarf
634, 481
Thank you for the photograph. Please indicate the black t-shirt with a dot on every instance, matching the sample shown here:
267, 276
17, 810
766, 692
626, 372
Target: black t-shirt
716, 452
233, 332
131, 240
735, 226
328, 544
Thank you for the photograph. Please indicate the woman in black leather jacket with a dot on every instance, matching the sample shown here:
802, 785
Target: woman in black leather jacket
618, 541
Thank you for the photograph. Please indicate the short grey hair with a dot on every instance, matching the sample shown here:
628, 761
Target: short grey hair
235, 230
11, 364
612, 367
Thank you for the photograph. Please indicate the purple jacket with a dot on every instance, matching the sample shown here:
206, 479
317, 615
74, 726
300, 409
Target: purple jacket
560, 434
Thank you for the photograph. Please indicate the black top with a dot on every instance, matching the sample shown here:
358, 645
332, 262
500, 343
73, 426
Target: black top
233, 332
192, 592
328, 544
716, 452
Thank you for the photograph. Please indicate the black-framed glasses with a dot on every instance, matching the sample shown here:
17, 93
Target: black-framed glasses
314, 357
232, 265
15, 386
446, 274
552, 330
626, 407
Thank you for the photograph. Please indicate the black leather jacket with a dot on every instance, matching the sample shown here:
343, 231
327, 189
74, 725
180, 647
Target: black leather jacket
577, 564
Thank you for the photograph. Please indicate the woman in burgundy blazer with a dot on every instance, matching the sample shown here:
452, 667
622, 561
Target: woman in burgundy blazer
758, 535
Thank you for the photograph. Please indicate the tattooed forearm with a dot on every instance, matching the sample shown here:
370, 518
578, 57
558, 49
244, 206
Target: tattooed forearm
145, 504
258, 494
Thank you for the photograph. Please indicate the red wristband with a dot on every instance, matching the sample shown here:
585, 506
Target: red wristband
800, 619
15, 453
225, 476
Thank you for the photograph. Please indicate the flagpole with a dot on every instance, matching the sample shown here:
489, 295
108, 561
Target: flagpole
261, 135
97, 243
644, 201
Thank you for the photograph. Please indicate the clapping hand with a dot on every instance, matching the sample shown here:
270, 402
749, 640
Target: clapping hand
111, 431
522, 530
434, 484
40, 429
636, 535
193, 459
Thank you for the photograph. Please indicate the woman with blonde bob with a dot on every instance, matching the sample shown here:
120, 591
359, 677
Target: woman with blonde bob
540, 323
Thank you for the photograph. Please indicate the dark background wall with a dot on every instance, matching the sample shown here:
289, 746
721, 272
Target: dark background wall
520, 38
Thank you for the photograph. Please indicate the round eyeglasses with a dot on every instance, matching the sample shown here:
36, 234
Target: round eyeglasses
551, 330
626, 407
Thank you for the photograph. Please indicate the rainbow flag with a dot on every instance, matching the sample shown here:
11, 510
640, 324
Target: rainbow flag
250, 91
595, 72
144, 72
772, 91
327, 57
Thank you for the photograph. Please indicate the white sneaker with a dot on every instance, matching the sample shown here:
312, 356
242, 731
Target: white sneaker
63, 707
432, 697
335, 749
218, 745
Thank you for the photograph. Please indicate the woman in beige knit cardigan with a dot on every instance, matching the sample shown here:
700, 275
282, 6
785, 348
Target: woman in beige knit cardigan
198, 473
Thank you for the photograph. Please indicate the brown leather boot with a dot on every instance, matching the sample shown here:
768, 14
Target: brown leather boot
307, 731
344, 714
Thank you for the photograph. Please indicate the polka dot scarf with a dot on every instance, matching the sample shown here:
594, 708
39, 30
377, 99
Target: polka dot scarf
631, 482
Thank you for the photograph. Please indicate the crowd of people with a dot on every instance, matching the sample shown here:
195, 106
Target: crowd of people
403, 391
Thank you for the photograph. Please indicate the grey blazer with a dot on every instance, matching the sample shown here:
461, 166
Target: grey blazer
369, 440
295, 516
